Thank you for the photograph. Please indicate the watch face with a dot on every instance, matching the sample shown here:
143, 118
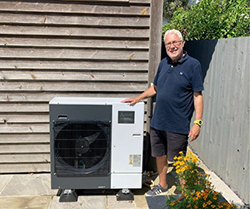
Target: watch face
199, 122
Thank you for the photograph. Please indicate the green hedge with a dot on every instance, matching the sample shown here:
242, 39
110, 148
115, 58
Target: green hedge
212, 19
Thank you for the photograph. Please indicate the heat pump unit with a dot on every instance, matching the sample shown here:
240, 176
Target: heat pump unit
96, 143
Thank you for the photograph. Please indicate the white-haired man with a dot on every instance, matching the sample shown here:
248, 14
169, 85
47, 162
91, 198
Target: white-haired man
178, 87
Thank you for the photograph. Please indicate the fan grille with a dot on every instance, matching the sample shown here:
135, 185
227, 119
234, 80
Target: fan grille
82, 148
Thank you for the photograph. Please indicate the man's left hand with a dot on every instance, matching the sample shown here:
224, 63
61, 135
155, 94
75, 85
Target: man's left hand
194, 132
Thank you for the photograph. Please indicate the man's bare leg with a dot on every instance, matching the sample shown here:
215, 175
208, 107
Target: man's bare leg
162, 167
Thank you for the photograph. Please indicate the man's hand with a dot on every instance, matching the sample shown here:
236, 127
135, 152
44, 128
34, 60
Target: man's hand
151, 91
194, 132
131, 101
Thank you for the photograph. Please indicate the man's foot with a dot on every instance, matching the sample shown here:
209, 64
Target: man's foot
157, 190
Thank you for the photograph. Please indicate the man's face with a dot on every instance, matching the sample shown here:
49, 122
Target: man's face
174, 47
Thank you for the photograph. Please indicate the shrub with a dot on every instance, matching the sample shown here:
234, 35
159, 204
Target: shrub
212, 19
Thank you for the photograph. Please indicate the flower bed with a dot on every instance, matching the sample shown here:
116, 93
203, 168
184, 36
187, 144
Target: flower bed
196, 190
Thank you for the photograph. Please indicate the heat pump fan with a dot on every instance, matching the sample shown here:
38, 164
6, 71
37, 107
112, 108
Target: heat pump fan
82, 148
96, 143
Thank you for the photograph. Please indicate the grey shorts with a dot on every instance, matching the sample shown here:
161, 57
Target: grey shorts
167, 143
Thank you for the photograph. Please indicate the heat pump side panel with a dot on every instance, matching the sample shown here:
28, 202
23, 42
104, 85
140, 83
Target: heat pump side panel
127, 138
129, 181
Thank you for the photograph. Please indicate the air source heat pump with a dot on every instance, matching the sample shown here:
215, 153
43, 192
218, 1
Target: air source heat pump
96, 143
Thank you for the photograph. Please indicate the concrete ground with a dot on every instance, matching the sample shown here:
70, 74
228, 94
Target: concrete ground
32, 191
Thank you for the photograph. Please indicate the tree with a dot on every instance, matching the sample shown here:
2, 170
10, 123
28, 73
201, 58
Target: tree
212, 19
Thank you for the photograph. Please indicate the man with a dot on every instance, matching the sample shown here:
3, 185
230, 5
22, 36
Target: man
178, 87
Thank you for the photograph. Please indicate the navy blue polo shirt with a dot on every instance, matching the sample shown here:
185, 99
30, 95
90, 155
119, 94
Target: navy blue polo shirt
176, 83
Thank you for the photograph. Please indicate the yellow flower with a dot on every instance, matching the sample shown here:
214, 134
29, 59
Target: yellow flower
198, 194
172, 203
213, 206
178, 171
180, 152
207, 190
181, 163
216, 193
194, 160
179, 158
204, 205
209, 202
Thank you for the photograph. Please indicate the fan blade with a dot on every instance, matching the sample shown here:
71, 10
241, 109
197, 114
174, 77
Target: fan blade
92, 138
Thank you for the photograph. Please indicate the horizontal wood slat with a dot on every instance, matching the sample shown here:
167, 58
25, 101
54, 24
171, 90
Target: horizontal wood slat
24, 138
46, 97
112, 1
73, 43
24, 148
25, 168
72, 54
24, 128
128, 65
140, 1
96, 1
24, 108
25, 158
73, 8
69, 76
71, 86
73, 20
75, 32
28, 118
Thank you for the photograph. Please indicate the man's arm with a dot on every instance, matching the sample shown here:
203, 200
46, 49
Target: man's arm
198, 106
151, 91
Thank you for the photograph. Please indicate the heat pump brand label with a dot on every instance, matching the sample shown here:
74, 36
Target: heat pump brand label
135, 160
126, 117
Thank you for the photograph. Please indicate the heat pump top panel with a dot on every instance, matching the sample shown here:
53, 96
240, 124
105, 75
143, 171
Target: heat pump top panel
85, 100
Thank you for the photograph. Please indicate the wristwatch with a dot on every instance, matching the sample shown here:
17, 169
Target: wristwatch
198, 122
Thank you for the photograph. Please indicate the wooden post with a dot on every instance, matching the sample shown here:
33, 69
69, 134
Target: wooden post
155, 43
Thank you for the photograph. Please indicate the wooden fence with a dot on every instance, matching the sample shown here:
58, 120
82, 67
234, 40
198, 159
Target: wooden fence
224, 142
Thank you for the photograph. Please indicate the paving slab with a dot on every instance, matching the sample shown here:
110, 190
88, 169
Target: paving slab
30, 202
114, 204
140, 202
4, 181
84, 202
28, 184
